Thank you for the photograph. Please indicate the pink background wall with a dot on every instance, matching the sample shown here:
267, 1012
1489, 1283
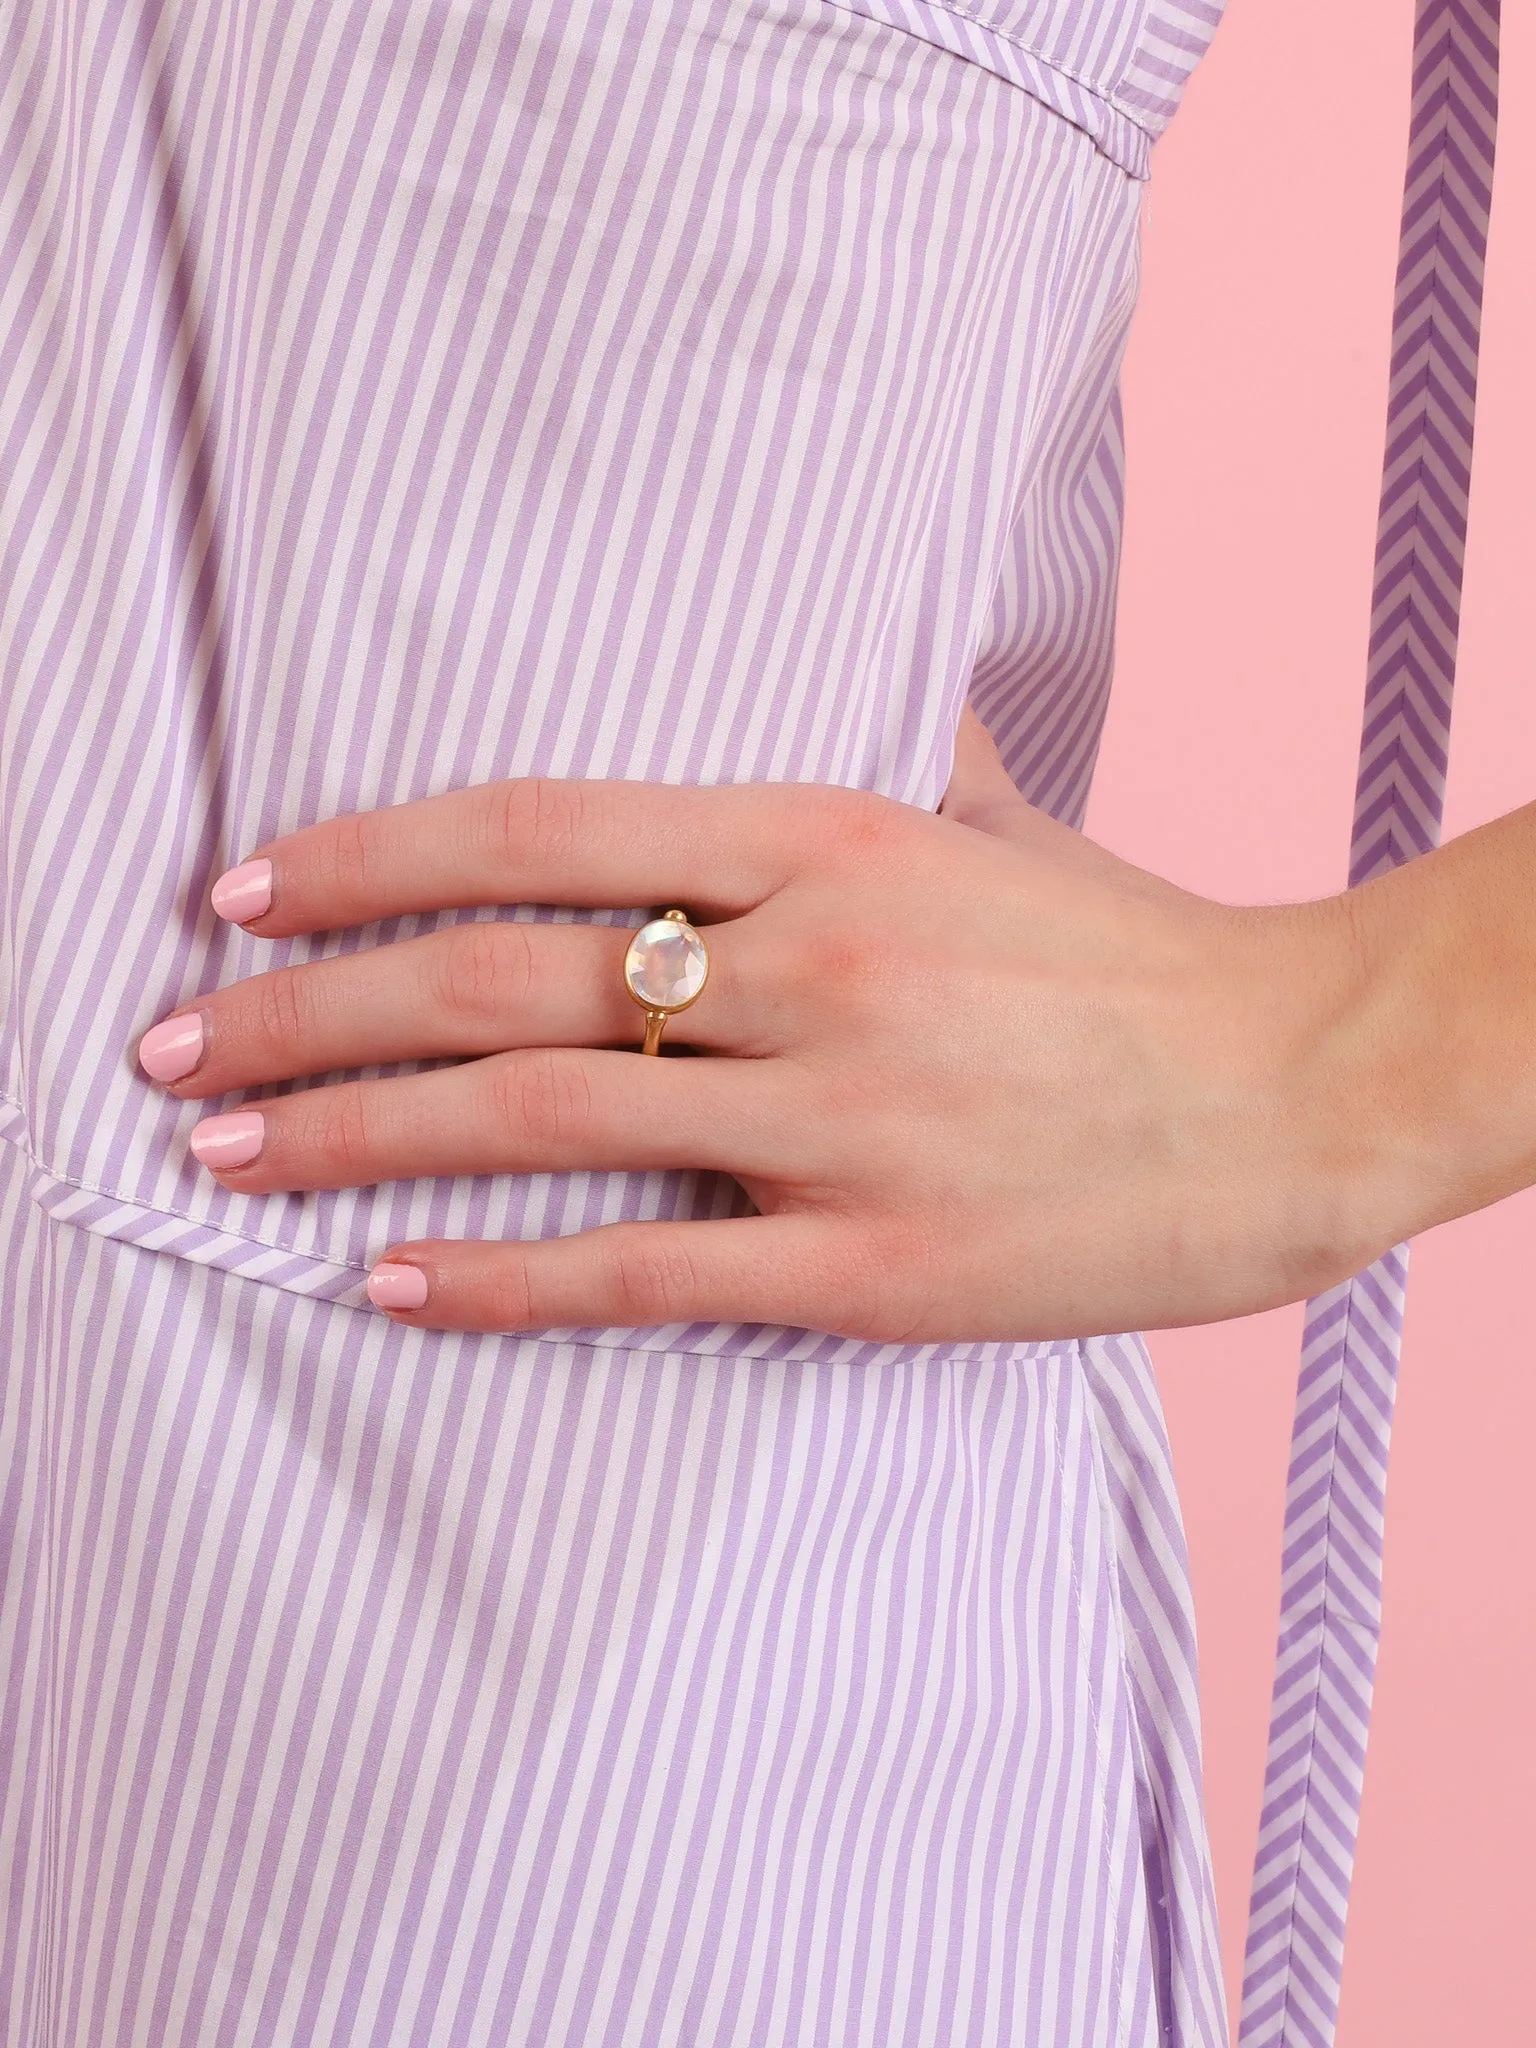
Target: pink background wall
1255, 393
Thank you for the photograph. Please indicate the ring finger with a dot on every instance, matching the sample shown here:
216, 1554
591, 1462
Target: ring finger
541, 1110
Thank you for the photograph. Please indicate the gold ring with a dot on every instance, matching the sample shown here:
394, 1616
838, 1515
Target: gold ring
665, 970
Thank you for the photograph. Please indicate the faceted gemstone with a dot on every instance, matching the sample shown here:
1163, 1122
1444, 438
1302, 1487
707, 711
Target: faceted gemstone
666, 964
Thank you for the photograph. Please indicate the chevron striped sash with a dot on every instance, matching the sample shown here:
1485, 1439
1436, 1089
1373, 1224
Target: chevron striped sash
1330, 1612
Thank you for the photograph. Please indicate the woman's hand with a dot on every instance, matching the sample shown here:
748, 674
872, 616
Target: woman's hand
980, 1078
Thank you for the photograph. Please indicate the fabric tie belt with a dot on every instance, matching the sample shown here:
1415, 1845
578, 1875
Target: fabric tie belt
1330, 1608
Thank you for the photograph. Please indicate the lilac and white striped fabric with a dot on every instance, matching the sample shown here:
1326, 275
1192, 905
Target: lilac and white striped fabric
1330, 1618
396, 394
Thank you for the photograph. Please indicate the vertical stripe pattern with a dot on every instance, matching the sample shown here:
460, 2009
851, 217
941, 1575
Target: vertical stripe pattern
396, 394
373, 1685
1118, 72
693, 391
1330, 1616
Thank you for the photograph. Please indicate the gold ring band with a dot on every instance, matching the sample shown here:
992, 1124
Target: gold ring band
665, 970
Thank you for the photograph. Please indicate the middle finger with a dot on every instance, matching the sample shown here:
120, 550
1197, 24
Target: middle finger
474, 988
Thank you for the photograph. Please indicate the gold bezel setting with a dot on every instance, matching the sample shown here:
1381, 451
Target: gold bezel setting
656, 1014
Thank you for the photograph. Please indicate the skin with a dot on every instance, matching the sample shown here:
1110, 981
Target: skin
981, 1078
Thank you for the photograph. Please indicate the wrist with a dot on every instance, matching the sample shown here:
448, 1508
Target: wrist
1431, 1058
1337, 1141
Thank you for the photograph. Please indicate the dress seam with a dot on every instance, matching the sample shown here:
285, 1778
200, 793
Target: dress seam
85, 1187
1101, 1767
1105, 93
1050, 1350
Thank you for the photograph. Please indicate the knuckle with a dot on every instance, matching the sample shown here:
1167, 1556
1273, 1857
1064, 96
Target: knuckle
860, 826
282, 1009
543, 1099
346, 852
346, 1133
653, 1279
484, 972
878, 1282
897, 1275
845, 964
821, 955
516, 1297
858, 1284
535, 820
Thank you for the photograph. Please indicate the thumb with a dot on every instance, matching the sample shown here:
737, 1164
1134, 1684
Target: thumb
979, 782
983, 795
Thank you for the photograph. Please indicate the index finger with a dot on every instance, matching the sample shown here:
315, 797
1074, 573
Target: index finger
589, 845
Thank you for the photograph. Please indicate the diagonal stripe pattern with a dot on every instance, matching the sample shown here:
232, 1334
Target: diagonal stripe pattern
1330, 1613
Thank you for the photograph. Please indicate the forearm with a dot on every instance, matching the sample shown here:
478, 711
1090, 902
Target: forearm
1443, 1034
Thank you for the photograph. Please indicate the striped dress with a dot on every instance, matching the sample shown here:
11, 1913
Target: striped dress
395, 395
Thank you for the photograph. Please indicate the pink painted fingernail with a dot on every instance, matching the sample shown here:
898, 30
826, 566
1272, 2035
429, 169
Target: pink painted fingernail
170, 1050
244, 892
392, 1286
233, 1140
